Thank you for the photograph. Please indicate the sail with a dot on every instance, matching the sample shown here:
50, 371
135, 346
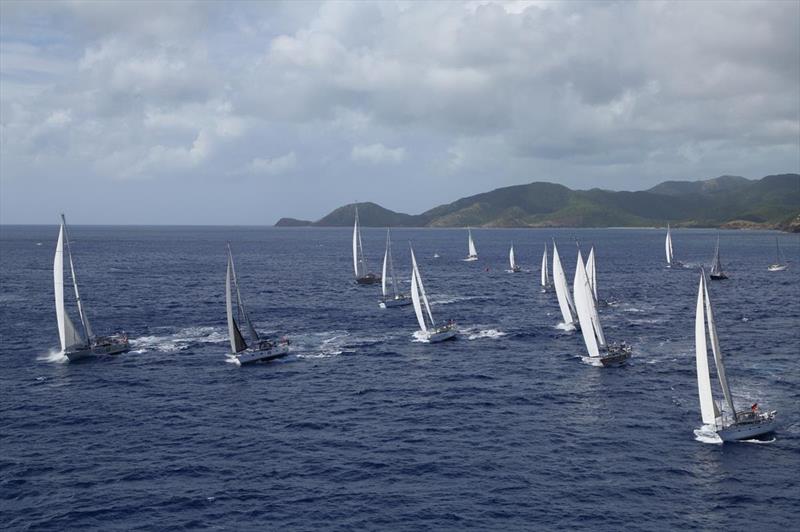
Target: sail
385, 261
87, 328
356, 240
421, 287
562, 290
712, 332
716, 266
240, 301
472, 251
416, 302
591, 273
708, 409
237, 342
68, 336
545, 273
511, 257
583, 302
668, 246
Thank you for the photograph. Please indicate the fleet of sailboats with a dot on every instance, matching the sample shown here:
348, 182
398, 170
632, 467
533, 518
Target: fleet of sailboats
472, 252
428, 328
716, 272
512, 262
395, 299
780, 263
728, 424
363, 275
75, 345
255, 348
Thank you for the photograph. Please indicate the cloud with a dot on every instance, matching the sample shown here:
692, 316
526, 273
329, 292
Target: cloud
377, 154
274, 166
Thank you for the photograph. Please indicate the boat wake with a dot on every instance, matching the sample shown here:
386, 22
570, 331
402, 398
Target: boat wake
592, 362
322, 345
419, 336
706, 434
565, 327
53, 355
473, 334
179, 340
447, 299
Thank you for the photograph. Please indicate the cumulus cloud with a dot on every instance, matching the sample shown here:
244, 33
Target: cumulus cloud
377, 154
613, 94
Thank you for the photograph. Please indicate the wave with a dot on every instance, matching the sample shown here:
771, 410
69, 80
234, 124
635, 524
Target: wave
445, 299
322, 344
483, 333
179, 340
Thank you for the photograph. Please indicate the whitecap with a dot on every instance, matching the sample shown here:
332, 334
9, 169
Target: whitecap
485, 333
565, 327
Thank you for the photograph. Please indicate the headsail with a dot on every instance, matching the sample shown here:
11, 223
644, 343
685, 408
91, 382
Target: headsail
472, 251
712, 332
237, 341
356, 245
708, 408
511, 257
591, 273
562, 289
67, 334
583, 304
416, 302
385, 263
668, 246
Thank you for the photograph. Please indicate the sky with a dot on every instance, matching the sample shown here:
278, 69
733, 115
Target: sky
242, 113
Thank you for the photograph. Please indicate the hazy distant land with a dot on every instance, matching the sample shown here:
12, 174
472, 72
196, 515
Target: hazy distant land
772, 202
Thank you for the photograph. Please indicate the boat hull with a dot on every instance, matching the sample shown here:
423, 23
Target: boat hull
437, 337
748, 429
370, 278
777, 267
399, 301
108, 345
251, 356
717, 276
471, 258
516, 269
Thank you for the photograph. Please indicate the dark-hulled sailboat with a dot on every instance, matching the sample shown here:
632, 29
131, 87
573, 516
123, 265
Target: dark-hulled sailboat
716, 273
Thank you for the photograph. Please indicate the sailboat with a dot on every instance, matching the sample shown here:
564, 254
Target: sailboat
716, 273
396, 299
545, 282
74, 344
780, 261
730, 425
562, 291
668, 245
600, 352
513, 263
473, 254
258, 349
363, 276
427, 326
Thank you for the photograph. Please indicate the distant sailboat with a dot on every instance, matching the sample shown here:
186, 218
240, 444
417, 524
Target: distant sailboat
735, 425
396, 299
545, 281
562, 291
780, 260
74, 345
427, 326
716, 273
668, 245
473, 254
513, 263
258, 349
363, 276
599, 350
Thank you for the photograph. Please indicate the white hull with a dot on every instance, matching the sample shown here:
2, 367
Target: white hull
471, 258
747, 430
399, 301
777, 267
442, 334
255, 355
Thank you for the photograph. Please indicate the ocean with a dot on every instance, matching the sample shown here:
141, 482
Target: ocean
363, 427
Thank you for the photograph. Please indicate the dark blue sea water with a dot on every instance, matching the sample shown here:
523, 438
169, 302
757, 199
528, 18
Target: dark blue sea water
362, 427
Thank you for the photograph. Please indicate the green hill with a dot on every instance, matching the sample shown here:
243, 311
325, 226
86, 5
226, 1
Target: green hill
730, 201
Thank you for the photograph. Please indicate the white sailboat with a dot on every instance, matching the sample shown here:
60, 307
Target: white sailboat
728, 424
600, 352
780, 261
74, 344
545, 282
396, 299
258, 349
363, 275
512, 262
562, 291
668, 247
716, 273
473, 254
427, 325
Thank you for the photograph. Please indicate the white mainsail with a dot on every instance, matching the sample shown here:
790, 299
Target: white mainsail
67, 334
417, 286
716, 265
385, 262
712, 332
357, 263
545, 272
511, 257
562, 289
668, 246
708, 408
583, 305
472, 251
591, 273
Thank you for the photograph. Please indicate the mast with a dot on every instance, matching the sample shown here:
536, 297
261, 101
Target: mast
87, 329
356, 241
708, 409
67, 335
712, 330
240, 302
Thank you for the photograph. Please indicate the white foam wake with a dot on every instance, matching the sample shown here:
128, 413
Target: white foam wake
54, 355
484, 333
565, 327
179, 340
707, 434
